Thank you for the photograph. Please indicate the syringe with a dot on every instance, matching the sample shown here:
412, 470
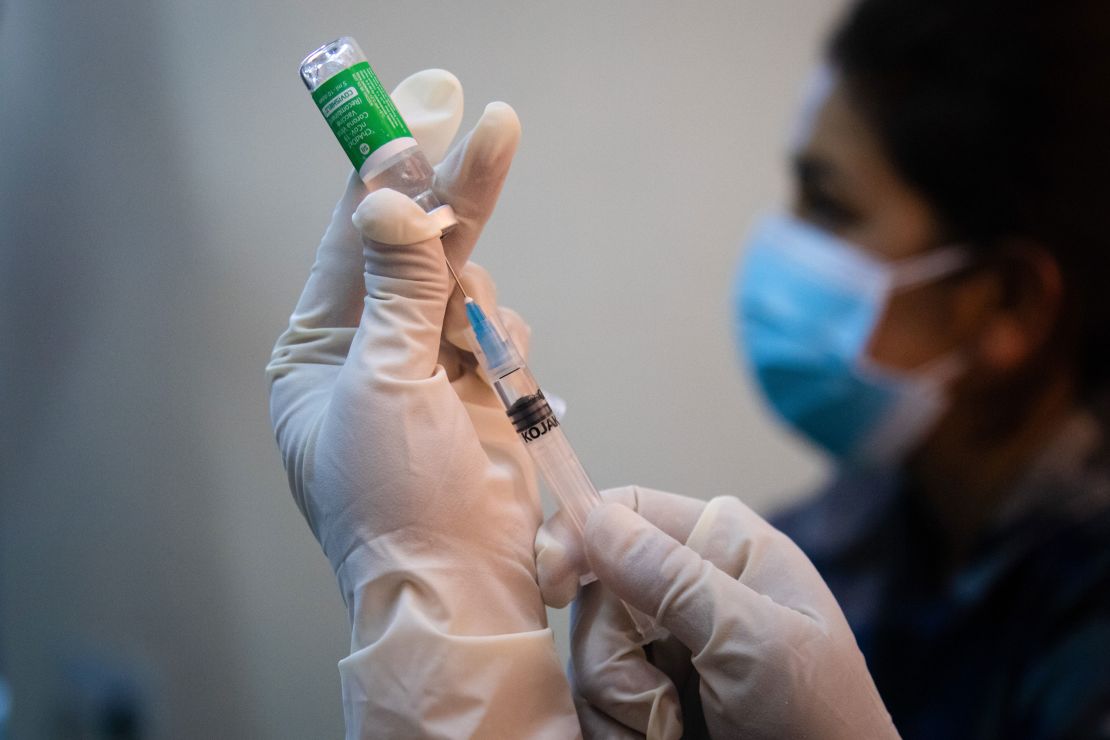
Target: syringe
541, 433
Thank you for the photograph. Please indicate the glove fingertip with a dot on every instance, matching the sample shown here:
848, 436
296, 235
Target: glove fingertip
431, 102
639, 562
502, 115
496, 135
559, 561
479, 283
557, 580
612, 531
386, 216
518, 329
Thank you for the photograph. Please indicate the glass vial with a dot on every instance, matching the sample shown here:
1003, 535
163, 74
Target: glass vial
369, 127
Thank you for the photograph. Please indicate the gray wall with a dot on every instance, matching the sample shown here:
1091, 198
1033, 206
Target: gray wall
165, 182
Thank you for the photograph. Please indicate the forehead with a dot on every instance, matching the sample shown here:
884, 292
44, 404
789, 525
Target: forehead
838, 145
833, 129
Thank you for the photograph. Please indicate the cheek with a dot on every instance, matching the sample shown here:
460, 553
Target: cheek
916, 327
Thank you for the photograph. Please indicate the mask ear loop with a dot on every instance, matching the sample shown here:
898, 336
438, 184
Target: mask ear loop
930, 380
914, 271
935, 265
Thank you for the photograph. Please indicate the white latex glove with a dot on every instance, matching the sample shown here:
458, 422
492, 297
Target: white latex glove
404, 464
758, 649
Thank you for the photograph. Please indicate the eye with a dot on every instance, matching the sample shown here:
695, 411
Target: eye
825, 210
819, 199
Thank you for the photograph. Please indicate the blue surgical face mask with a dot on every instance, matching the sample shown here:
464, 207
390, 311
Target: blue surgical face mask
807, 304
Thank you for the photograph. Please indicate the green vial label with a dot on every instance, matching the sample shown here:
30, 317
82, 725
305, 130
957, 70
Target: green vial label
360, 112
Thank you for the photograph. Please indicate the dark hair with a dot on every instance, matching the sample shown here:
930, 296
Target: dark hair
998, 113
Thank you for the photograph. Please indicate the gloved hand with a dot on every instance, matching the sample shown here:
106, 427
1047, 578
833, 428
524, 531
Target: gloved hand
758, 649
403, 462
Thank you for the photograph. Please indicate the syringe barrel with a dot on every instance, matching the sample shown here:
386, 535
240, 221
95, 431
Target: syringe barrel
560, 468
539, 430
569, 483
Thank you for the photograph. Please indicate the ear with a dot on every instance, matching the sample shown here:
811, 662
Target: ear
1028, 308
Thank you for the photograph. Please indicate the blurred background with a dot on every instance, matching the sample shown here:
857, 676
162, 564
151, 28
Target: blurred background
165, 181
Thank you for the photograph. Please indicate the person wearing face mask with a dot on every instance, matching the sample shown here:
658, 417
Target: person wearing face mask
931, 313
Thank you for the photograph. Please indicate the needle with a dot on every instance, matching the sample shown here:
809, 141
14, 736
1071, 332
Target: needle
456, 276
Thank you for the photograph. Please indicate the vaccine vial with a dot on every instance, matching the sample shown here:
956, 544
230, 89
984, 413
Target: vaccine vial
369, 127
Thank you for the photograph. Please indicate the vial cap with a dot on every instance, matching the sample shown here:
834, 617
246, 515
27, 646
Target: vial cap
444, 217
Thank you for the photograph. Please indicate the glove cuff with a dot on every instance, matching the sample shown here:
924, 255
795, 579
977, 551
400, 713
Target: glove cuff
417, 681
459, 587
